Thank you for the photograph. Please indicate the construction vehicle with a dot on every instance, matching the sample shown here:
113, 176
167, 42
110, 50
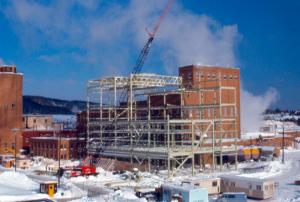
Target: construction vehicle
85, 168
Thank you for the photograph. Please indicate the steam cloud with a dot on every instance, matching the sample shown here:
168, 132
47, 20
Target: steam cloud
184, 38
252, 107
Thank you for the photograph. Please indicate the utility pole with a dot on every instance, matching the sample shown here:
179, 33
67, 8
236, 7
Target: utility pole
59, 148
283, 141
15, 130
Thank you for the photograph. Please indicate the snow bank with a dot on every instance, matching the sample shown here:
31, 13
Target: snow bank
12, 198
18, 180
69, 191
122, 195
274, 168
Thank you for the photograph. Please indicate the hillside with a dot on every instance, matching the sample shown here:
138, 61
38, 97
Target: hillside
44, 105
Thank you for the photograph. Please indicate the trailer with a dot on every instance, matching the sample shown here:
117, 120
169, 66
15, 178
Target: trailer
184, 193
213, 185
252, 187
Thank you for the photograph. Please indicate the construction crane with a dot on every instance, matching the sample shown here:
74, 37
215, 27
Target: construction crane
145, 51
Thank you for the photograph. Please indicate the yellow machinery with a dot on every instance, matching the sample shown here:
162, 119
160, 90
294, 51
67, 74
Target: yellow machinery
49, 187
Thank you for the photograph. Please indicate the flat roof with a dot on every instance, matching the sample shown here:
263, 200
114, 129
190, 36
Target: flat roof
243, 178
57, 138
38, 115
208, 66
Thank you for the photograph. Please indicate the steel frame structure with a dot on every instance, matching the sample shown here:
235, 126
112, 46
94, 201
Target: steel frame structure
131, 130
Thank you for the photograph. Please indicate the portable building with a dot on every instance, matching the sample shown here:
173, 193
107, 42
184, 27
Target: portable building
213, 185
184, 193
252, 187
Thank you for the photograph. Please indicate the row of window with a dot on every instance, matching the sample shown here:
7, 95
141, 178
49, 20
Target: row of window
210, 113
51, 155
209, 76
34, 120
257, 187
6, 106
52, 146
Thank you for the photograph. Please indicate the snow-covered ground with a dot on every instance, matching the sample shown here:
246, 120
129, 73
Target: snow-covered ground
109, 187
15, 186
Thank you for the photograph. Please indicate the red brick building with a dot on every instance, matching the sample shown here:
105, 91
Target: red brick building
212, 93
27, 136
223, 88
52, 147
11, 109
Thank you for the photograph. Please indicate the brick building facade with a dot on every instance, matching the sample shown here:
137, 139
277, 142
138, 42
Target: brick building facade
51, 147
27, 136
221, 86
11, 109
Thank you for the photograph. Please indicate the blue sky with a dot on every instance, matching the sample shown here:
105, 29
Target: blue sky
59, 45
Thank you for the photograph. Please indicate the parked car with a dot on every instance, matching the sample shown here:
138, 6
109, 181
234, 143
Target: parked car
233, 197
297, 182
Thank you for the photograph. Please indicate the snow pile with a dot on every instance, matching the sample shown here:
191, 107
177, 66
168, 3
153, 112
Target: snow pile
103, 177
14, 198
294, 199
122, 195
18, 180
149, 180
69, 191
274, 168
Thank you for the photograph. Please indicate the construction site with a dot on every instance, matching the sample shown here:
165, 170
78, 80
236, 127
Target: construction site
165, 121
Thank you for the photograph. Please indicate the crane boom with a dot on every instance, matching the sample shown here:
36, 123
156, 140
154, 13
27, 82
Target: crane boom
146, 49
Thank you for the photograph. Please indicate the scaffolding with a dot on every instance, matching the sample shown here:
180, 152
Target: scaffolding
155, 125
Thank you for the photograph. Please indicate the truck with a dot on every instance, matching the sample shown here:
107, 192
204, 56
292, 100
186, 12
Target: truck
84, 170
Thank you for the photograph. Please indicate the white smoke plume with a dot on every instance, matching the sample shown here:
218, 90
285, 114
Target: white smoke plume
1, 61
109, 35
252, 107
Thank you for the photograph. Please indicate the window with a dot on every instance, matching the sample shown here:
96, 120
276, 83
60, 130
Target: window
232, 184
232, 111
266, 187
225, 112
214, 183
258, 187
208, 113
46, 120
250, 186
34, 120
